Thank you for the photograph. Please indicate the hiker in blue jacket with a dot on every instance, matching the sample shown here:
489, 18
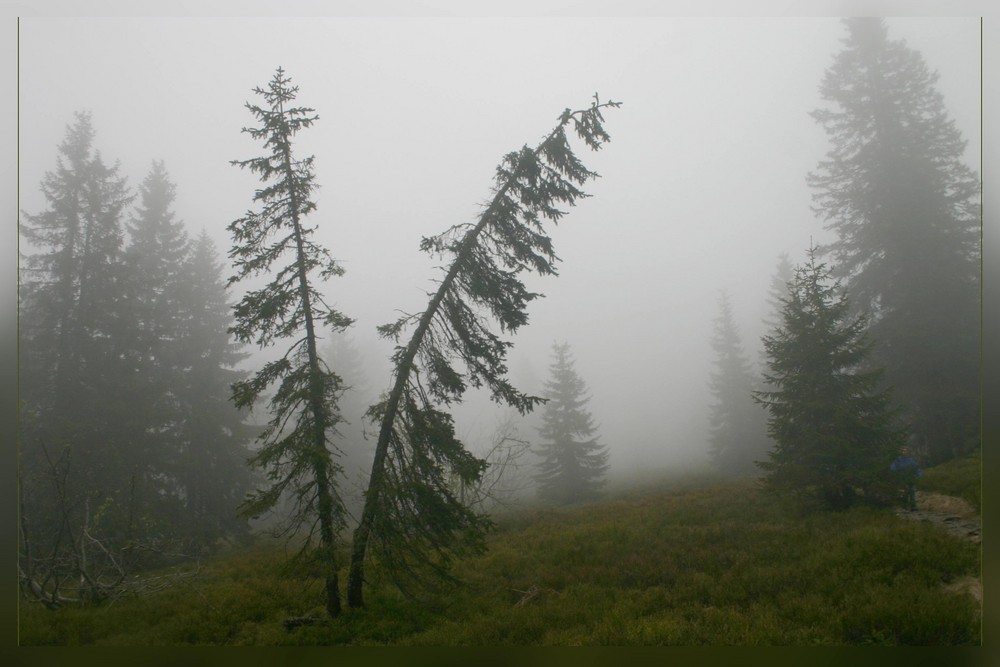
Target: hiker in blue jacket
908, 471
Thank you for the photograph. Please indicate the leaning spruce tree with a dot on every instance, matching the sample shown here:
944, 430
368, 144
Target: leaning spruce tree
574, 464
833, 427
412, 523
294, 448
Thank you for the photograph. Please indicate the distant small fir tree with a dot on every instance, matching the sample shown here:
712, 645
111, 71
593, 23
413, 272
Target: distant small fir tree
737, 435
295, 450
833, 428
574, 464
784, 273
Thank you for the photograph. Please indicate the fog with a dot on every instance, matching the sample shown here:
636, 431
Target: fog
702, 186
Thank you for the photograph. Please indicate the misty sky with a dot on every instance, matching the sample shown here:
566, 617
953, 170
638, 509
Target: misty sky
703, 183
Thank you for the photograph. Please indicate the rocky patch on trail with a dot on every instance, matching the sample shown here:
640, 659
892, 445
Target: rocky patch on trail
954, 515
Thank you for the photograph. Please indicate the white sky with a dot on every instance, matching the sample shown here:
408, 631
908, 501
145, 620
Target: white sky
703, 183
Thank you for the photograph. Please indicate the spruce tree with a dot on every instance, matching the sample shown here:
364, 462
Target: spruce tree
213, 437
832, 425
70, 285
158, 246
73, 363
412, 520
295, 449
574, 464
906, 212
154, 268
737, 436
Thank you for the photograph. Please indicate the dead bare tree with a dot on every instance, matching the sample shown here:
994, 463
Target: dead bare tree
67, 561
504, 477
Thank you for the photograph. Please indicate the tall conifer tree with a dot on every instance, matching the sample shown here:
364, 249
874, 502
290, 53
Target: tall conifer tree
832, 424
211, 458
906, 211
295, 450
72, 327
154, 265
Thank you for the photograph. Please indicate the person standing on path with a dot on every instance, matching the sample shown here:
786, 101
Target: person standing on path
908, 471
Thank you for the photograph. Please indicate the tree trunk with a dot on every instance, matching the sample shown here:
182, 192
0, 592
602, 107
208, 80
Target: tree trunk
321, 462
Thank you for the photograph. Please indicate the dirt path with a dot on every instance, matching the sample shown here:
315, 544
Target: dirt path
954, 515
958, 518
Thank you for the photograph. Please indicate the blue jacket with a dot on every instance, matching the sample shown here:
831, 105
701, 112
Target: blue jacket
908, 466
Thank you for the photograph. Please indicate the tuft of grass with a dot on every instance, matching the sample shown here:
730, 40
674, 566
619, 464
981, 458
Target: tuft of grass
716, 562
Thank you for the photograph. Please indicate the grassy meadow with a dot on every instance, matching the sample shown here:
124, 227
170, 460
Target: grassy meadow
689, 562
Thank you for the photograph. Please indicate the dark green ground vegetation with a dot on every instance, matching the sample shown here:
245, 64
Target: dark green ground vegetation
688, 562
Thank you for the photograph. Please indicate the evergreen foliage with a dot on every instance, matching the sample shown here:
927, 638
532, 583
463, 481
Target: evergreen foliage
71, 343
123, 398
573, 464
295, 449
412, 523
737, 436
155, 256
155, 273
906, 211
784, 274
194, 439
832, 426
212, 453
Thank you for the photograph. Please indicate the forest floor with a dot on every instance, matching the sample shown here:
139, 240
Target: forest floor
956, 517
